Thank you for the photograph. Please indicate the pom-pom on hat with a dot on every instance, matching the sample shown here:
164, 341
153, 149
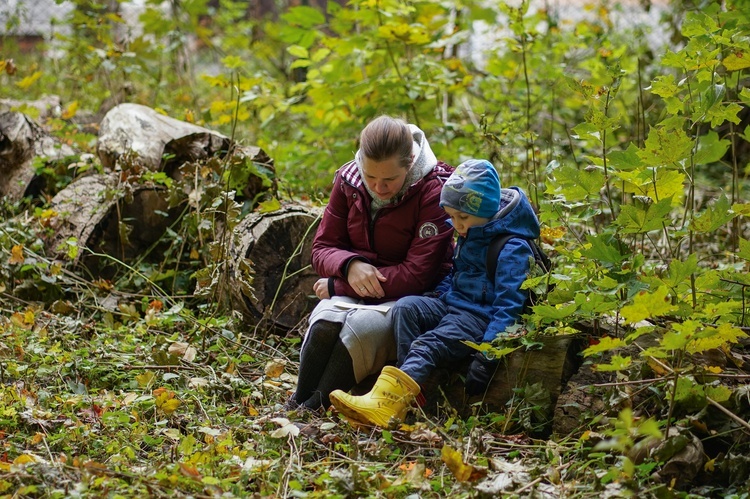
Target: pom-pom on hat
473, 188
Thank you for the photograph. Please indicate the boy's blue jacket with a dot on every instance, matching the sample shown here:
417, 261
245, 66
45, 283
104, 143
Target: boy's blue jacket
467, 286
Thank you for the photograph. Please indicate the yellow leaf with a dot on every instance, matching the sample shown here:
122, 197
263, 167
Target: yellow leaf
145, 379
737, 61
29, 80
551, 234
274, 368
70, 111
16, 254
28, 317
453, 459
194, 255
648, 305
24, 459
170, 406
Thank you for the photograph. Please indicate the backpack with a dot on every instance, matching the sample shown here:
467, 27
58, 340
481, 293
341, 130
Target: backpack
540, 258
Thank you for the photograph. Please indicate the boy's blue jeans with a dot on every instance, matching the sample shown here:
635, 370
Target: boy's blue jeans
429, 334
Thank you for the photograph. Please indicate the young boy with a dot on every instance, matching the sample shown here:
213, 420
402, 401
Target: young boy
469, 307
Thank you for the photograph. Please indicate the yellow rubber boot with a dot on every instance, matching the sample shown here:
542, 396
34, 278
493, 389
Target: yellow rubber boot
391, 396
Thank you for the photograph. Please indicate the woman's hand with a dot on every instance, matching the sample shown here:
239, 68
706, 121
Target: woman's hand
365, 279
321, 288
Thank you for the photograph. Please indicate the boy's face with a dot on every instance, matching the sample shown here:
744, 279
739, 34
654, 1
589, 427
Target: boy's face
462, 221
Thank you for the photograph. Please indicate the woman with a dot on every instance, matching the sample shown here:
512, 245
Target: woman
383, 236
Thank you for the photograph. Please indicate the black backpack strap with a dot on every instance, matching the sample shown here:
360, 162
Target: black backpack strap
493, 252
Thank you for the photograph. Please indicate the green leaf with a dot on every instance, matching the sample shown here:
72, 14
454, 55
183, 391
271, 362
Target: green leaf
680, 271
664, 86
297, 51
232, 62
724, 112
603, 249
710, 148
304, 16
625, 160
697, 24
587, 130
713, 217
744, 251
649, 428
557, 312
648, 305
656, 184
689, 394
605, 344
272, 204
576, 184
617, 363
665, 146
711, 337
636, 220
718, 393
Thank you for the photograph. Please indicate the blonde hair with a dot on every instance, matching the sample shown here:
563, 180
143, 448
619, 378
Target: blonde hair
386, 137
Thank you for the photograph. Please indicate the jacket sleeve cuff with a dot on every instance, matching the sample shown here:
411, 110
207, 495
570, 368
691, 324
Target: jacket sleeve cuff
331, 287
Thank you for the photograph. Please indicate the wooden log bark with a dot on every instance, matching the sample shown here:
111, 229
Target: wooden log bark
119, 220
270, 273
149, 136
21, 140
40, 109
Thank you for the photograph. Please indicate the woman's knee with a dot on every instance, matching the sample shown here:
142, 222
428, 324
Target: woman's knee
323, 330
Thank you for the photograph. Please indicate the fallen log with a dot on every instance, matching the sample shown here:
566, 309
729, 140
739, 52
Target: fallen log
152, 140
22, 140
40, 109
270, 276
108, 218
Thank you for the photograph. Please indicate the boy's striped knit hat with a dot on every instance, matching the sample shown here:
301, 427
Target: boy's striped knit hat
473, 188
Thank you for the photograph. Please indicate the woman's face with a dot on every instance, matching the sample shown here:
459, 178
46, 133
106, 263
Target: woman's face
384, 178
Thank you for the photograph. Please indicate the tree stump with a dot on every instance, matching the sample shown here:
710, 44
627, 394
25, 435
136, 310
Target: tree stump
549, 368
121, 221
139, 130
270, 275
21, 140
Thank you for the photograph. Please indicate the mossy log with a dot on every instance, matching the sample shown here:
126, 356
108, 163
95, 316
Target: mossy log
270, 273
541, 373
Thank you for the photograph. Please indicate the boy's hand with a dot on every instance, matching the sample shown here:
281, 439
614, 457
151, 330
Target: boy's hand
480, 373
